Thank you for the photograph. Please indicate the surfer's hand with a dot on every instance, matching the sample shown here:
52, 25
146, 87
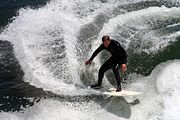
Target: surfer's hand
123, 67
88, 62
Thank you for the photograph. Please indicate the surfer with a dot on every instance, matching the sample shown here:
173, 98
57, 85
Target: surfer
116, 61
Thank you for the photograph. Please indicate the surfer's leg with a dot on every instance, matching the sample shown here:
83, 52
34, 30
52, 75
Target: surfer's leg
118, 79
106, 66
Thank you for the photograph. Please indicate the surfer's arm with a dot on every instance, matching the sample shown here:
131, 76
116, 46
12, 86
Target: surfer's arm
123, 60
99, 49
124, 63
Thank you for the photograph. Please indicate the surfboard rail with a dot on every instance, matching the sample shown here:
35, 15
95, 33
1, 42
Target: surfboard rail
112, 92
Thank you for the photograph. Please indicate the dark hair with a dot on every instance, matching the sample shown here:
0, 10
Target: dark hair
105, 37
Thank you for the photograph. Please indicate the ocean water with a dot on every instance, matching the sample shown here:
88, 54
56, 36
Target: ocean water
43, 46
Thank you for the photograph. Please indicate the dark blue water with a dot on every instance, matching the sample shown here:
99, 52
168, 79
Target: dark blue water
9, 8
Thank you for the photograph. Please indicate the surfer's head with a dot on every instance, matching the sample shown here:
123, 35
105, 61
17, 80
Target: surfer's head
106, 40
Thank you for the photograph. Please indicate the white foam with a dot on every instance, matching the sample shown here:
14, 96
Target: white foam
138, 22
156, 102
9, 116
56, 110
168, 85
161, 93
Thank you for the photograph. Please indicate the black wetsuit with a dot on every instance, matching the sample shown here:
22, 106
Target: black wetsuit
119, 56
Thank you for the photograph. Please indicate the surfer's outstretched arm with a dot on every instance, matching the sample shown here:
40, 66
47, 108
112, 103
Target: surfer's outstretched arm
99, 49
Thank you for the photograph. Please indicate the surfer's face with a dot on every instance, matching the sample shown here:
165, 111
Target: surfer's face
106, 43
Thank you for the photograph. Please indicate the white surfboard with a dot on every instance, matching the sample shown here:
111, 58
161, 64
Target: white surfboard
122, 93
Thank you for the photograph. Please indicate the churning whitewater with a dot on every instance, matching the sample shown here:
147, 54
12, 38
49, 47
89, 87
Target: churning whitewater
52, 42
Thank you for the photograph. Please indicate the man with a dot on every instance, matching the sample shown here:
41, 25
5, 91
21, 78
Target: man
118, 58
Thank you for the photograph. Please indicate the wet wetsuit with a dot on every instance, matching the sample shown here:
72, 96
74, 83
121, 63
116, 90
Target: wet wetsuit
119, 56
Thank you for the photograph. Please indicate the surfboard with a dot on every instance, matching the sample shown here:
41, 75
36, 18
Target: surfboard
112, 92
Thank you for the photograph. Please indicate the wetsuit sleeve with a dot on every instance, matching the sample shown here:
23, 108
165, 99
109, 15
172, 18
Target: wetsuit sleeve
122, 53
124, 61
99, 49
